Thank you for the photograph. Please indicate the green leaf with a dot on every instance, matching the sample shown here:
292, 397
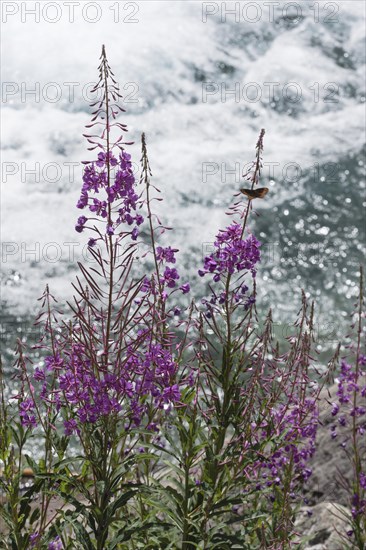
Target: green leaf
122, 500
67, 461
83, 535
35, 515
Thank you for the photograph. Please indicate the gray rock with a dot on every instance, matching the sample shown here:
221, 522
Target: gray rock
322, 526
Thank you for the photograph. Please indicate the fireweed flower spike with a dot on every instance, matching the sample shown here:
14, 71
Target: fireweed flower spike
349, 424
254, 397
233, 254
110, 176
165, 279
110, 371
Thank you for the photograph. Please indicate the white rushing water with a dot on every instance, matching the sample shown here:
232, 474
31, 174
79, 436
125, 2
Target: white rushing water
201, 87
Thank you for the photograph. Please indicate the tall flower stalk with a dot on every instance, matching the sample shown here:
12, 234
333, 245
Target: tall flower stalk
107, 374
349, 426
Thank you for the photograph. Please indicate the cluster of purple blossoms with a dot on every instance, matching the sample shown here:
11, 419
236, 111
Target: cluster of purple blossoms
80, 223
170, 275
88, 395
350, 405
153, 372
55, 544
166, 254
232, 254
95, 179
26, 412
27, 407
33, 538
350, 384
296, 427
358, 506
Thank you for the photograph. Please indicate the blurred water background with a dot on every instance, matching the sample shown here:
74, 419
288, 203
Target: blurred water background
201, 83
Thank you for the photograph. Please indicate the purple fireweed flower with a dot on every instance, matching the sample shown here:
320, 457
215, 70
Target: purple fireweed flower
249, 302
363, 480
358, 505
170, 277
185, 288
171, 394
26, 413
191, 378
148, 285
358, 411
166, 254
99, 208
55, 544
70, 426
44, 392
33, 538
129, 219
83, 201
53, 362
80, 224
342, 421
28, 420
152, 427
39, 374
103, 157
